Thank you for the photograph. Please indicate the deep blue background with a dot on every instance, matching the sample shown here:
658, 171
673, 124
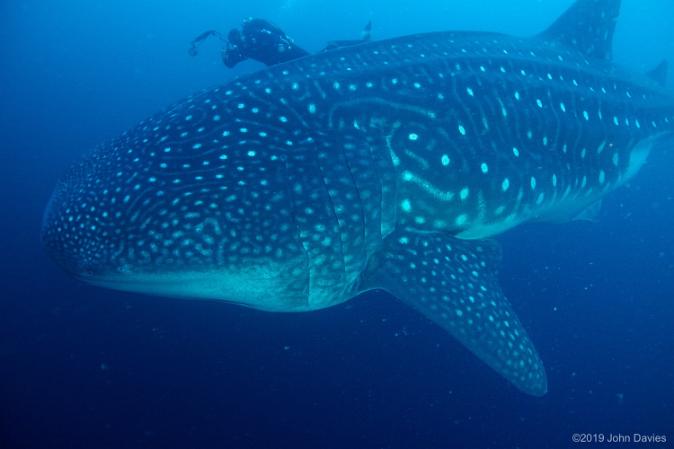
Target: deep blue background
88, 368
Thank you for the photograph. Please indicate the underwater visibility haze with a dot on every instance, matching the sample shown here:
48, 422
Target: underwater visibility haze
434, 173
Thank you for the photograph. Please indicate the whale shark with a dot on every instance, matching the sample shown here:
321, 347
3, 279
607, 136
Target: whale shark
388, 165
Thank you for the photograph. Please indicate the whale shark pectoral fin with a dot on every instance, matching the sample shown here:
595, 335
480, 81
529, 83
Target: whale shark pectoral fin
454, 283
587, 26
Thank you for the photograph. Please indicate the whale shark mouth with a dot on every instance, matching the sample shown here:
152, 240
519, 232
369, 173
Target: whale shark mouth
255, 287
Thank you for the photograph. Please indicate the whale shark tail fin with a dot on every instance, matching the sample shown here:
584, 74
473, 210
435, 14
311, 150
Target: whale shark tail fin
587, 26
454, 283
659, 73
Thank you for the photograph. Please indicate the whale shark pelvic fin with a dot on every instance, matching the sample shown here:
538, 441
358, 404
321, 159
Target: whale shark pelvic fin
454, 283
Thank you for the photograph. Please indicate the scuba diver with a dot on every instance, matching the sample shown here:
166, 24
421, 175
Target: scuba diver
261, 41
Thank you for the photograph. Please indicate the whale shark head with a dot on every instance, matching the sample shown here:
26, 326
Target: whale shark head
188, 203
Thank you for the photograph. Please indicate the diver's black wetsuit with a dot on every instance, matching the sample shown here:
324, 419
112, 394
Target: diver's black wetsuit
261, 41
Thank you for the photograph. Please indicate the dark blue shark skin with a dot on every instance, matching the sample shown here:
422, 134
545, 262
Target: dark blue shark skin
384, 165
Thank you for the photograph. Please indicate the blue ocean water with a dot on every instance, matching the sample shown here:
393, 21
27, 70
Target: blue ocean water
91, 368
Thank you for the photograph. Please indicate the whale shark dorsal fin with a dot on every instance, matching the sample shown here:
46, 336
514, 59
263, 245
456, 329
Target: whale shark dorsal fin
659, 73
454, 283
587, 26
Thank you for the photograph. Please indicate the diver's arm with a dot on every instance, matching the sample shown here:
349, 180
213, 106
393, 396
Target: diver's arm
202, 37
